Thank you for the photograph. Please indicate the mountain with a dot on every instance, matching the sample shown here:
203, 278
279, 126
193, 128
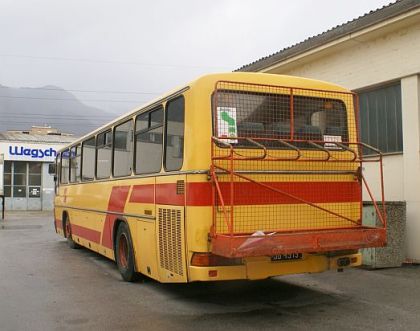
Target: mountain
21, 108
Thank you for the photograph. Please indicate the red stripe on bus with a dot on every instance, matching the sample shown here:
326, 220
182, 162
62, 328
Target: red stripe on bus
89, 234
116, 203
166, 195
199, 194
315, 192
247, 193
143, 193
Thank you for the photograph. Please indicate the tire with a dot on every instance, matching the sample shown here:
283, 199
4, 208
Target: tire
67, 233
124, 253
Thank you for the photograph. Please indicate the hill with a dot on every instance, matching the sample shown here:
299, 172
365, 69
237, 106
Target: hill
20, 108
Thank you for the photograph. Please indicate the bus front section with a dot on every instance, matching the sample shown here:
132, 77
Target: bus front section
288, 183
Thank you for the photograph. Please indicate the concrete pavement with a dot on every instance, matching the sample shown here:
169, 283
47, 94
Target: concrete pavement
44, 285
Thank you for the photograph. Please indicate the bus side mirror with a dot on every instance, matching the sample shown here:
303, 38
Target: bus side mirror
51, 169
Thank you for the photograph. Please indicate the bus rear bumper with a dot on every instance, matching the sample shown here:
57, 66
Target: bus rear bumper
297, 242
263, 267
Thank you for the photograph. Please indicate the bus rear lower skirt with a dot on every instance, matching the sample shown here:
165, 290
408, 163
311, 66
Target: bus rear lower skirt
297, 242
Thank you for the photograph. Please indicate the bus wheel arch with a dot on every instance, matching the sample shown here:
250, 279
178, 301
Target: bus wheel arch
114, 234
124, 251
64, 218
67, 231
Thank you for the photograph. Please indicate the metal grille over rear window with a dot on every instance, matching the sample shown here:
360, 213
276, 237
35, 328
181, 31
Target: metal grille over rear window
282, 113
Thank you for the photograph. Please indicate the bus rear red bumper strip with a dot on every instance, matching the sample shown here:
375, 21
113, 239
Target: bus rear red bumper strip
297, 242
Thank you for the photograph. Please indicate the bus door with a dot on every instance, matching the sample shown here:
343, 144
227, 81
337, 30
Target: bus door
142, 204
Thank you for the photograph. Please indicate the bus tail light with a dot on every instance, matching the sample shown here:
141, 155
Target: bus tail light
208, 259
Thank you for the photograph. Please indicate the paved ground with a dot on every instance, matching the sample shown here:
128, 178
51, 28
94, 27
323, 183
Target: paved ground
46, 286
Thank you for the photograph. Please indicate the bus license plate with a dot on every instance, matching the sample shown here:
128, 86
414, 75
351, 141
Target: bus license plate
286, 257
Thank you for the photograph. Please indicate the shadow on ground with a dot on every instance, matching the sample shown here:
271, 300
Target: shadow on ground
226, 299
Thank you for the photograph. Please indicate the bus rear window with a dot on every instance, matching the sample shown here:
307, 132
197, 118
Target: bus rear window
259, 116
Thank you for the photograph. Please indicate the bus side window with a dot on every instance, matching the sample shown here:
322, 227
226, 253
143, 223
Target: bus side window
57, 171
174, 134
65, 167
75, 164
78, 163
148, 149
103, 155
123, 147
88, 159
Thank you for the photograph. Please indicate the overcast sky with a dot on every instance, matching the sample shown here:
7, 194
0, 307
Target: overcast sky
149, 47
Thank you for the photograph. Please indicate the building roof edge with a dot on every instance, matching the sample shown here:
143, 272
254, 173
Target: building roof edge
369, 19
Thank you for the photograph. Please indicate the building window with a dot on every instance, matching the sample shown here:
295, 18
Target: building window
104, 154
380, 118
34, 179
174, 134
123, 149
88, 159
149, 132
22, 179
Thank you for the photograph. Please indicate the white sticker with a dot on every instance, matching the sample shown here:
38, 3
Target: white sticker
332, 139
226, 124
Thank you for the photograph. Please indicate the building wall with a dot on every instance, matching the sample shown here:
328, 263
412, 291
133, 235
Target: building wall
393, 178
41, 152
410, 87
363, 61
47, 192
387, 54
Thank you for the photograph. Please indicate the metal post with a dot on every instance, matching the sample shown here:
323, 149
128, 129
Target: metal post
2, 206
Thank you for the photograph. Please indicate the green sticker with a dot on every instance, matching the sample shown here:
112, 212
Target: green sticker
230, 121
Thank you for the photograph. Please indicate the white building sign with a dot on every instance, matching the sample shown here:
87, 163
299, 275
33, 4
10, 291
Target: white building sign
29, 152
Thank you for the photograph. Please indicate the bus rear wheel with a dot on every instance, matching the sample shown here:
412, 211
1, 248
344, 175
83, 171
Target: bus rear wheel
67, 233
124, 253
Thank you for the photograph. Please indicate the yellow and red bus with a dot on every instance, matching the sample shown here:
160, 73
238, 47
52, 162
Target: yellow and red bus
233, 176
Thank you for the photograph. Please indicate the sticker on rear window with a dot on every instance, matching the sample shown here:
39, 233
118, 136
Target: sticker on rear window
226, 124
330, 139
